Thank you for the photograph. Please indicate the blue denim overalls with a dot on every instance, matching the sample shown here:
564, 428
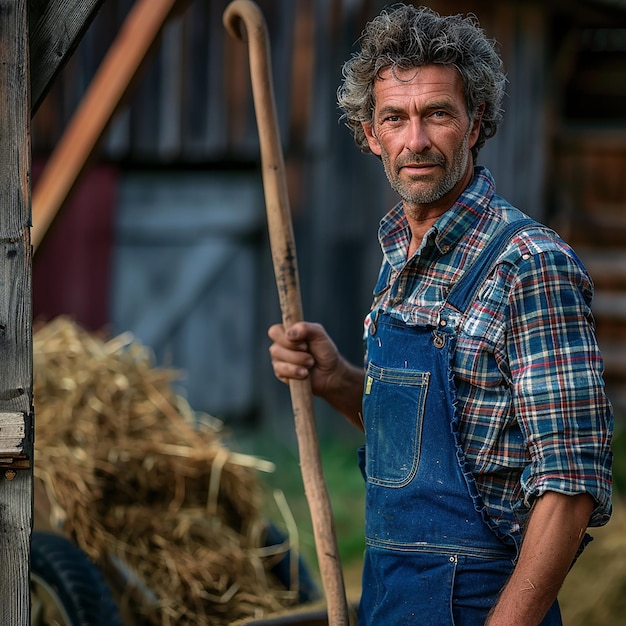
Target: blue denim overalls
433, 556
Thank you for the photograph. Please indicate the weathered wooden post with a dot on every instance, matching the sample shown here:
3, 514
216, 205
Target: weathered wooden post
16, 402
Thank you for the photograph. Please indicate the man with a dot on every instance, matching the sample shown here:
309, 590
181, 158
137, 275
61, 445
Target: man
487, 428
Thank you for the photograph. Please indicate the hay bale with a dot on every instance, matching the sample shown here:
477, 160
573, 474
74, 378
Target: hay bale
133, 479
593, 592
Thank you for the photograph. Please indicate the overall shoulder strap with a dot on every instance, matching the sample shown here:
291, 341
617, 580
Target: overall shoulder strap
464, 291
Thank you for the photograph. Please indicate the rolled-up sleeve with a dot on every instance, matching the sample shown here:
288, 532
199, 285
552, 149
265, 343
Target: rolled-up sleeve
556, 371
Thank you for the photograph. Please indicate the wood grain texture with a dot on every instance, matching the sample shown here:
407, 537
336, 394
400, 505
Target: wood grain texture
15, 308
56, 28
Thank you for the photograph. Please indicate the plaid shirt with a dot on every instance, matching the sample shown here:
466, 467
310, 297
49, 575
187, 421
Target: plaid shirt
534, 415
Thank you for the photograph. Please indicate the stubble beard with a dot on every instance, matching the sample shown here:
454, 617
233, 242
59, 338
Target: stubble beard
425, 193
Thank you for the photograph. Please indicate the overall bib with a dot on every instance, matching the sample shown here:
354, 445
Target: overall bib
433, 556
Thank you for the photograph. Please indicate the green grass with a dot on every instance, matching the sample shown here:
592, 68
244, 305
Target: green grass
346, 491
619, 458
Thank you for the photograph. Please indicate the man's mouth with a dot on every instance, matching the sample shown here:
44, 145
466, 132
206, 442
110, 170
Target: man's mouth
418, 167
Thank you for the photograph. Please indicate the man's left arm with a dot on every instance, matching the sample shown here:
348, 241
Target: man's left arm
553, 535
556, 369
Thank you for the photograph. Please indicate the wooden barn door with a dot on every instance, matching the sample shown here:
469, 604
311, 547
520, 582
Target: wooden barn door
186, 280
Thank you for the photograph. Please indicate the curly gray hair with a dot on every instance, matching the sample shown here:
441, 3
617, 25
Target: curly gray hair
404, 36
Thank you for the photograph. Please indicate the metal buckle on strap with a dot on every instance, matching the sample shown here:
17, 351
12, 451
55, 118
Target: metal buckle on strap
439, 339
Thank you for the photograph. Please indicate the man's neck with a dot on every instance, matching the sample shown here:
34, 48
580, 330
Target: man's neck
422, 217
419, 228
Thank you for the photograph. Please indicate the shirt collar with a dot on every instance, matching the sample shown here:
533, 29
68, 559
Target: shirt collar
394, 233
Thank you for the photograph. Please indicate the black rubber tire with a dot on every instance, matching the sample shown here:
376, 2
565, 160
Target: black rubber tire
308, 588
76, 585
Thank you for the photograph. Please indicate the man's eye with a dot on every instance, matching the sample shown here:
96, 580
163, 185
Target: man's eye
391, 118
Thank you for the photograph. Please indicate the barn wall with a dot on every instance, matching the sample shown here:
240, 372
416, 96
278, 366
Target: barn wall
192, 110
186, 276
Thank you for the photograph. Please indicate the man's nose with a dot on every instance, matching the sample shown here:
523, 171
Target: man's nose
417, 138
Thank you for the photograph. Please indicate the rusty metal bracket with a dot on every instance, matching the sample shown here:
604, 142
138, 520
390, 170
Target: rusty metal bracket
9, 465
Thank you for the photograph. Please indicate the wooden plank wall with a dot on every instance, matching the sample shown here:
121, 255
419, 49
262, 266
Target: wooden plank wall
591, 214
193, 104
16, 413
194, 101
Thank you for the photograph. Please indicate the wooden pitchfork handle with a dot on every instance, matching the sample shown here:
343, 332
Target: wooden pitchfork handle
243, 19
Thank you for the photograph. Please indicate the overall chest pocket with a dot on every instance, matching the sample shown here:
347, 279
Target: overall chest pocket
393, 413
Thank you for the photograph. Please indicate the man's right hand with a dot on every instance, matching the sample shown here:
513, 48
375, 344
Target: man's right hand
306, 350
303, 350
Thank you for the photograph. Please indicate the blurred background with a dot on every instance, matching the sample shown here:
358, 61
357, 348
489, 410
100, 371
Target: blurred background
164, 234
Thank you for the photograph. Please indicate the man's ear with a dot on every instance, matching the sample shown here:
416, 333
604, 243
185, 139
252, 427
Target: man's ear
372, 140
478, 116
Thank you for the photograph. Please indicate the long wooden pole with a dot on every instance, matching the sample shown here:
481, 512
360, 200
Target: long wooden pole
243, 19
106, 91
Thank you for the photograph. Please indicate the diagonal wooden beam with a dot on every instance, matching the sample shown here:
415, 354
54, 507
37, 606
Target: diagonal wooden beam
126, 56
56, 28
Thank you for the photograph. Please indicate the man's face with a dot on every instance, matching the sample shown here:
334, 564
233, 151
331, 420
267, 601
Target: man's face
423, 134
